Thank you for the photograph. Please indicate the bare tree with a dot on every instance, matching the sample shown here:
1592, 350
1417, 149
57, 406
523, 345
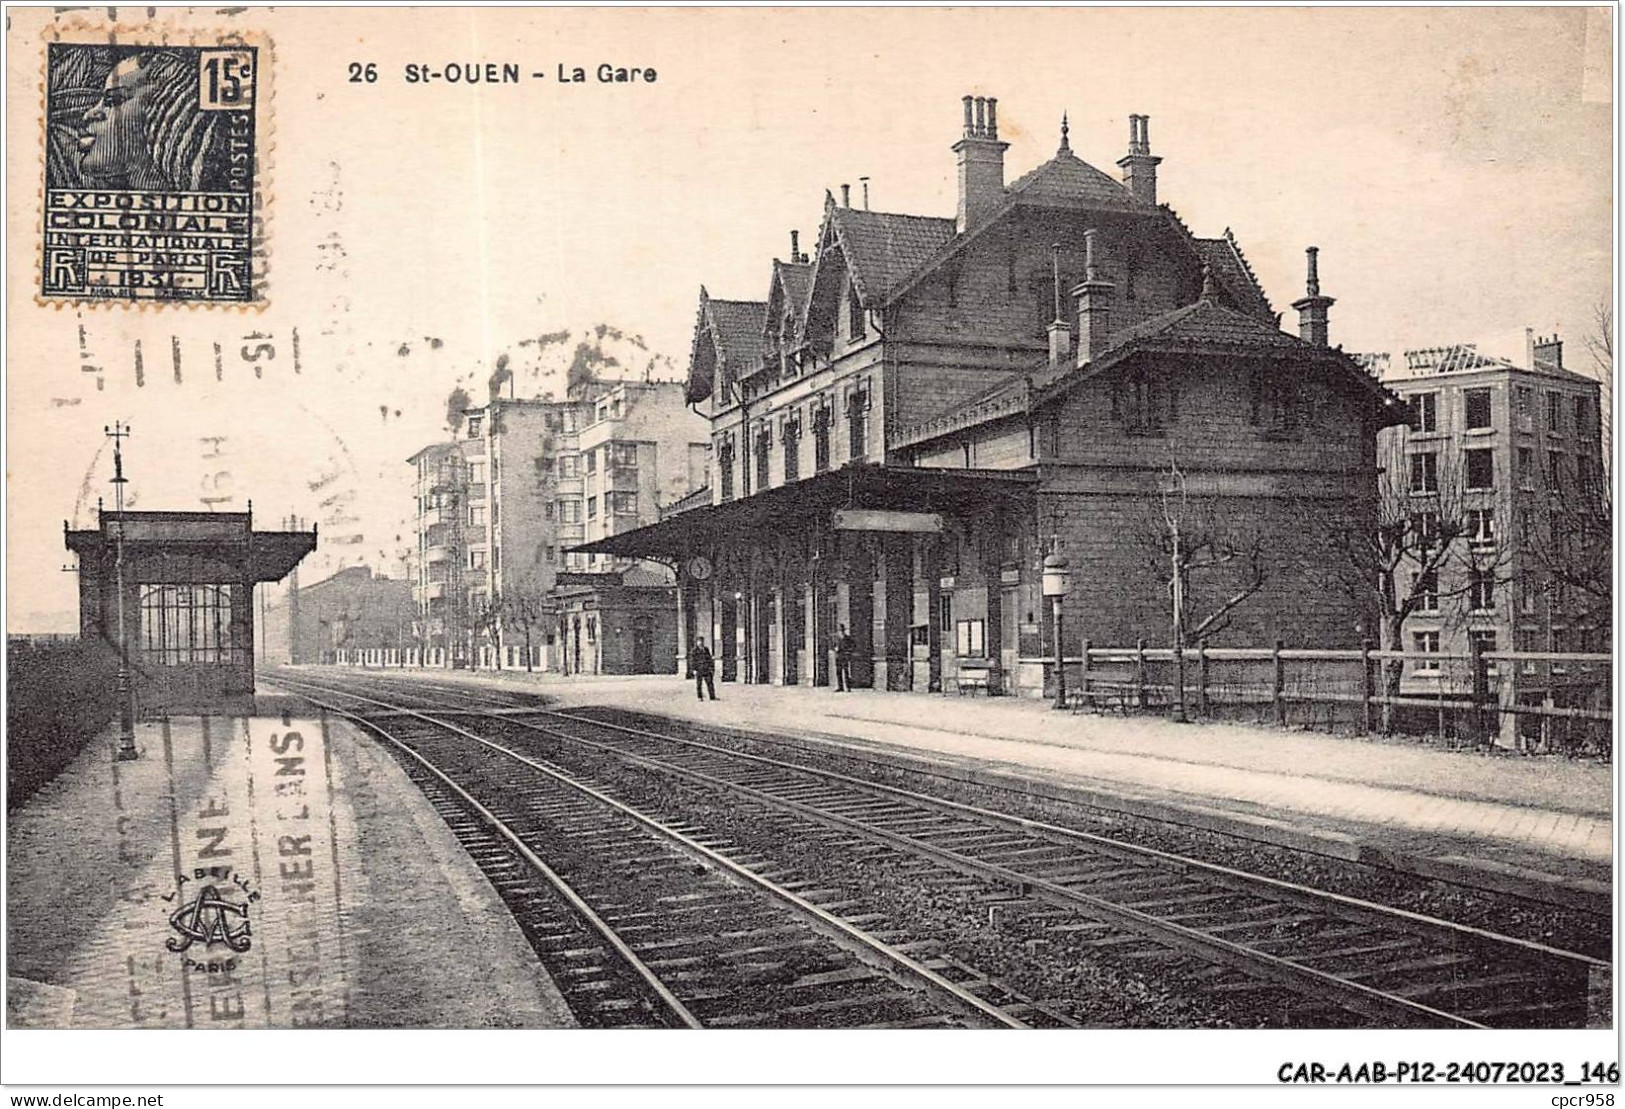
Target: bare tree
1193, 549
1433, 548
485, 619
1600, 342
525, 609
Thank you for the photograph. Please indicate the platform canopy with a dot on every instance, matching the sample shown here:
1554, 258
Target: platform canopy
271, 555
890, 497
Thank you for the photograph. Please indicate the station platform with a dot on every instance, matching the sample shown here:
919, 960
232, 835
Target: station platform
303, 845
1539, 827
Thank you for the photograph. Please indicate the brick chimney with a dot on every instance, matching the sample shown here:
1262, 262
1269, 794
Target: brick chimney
981, 161
1094, 299
1060, 332
1139, 166
1548, 351
1312, 325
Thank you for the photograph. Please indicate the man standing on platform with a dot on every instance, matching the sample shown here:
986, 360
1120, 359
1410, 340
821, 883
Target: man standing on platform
843, 661
702, 664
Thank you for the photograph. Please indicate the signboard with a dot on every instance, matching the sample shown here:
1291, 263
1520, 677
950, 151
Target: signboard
875, 519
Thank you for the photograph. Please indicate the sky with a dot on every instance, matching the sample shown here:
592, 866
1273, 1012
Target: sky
1454, 166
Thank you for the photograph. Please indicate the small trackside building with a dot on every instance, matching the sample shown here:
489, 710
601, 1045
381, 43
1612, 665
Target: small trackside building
188, 600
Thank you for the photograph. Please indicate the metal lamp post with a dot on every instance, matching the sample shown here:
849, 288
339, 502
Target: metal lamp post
126, 694
1057, 583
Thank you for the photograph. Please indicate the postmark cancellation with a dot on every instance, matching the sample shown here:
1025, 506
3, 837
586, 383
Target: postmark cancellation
153, 166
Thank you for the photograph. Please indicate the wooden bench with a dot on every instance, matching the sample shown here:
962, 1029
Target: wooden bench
1116, 696
972, 677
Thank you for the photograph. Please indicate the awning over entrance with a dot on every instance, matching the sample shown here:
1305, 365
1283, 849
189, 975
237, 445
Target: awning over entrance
853, 489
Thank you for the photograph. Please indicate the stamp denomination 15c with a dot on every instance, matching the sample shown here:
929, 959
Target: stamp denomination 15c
151, 172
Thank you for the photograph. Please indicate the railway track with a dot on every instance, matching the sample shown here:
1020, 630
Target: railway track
642, 922
1385, 966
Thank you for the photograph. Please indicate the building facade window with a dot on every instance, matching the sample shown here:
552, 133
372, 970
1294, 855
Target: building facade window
476, 473
570, 465
1425, 588
1425, 643
725, 468
1485, 641
622, 503
625, 457
1425, 472
1480, 527
1476, 403
857, 418
792, 448
1524, 403
1583, 427
570, 510
592, 462
592, 508
1143, 403
1554, 413
1526, 467
1554, 471
822, 420
476, 515
857, 322
476, 560
1481, 469
1481, 590
474, 427
1424, 413
764, 450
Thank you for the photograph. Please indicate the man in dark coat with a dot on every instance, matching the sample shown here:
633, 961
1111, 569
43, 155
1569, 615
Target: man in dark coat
844, 647
702, 664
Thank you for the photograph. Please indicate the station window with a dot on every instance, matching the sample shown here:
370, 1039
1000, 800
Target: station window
187, 624
971, 639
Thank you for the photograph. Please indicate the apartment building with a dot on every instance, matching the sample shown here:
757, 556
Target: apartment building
499, 506
1497, 455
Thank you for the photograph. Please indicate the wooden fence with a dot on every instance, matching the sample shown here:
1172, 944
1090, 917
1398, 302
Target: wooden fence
1536, 700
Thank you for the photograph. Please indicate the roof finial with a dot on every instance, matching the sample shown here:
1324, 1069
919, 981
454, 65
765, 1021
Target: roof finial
1066, 145
1210, 287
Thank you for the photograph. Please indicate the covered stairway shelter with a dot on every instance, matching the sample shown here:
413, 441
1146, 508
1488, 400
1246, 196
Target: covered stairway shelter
913, 562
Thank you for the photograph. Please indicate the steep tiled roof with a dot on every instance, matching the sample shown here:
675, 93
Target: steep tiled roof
1231, 270
737, 325
1208, 323
1069, 180
797, 278
883, 248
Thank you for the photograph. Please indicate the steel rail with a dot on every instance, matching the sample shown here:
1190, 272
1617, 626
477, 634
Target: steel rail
889, 954
563, 888
1308, 896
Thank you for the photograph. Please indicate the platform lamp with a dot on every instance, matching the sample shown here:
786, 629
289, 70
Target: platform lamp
1057, 584
127, 750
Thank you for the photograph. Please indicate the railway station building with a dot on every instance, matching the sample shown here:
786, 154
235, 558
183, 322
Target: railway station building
188, 600
918, 413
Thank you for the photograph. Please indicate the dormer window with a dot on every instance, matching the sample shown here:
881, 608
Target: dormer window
857, 321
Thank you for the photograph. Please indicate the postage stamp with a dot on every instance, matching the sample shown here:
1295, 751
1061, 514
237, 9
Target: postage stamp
152, 171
